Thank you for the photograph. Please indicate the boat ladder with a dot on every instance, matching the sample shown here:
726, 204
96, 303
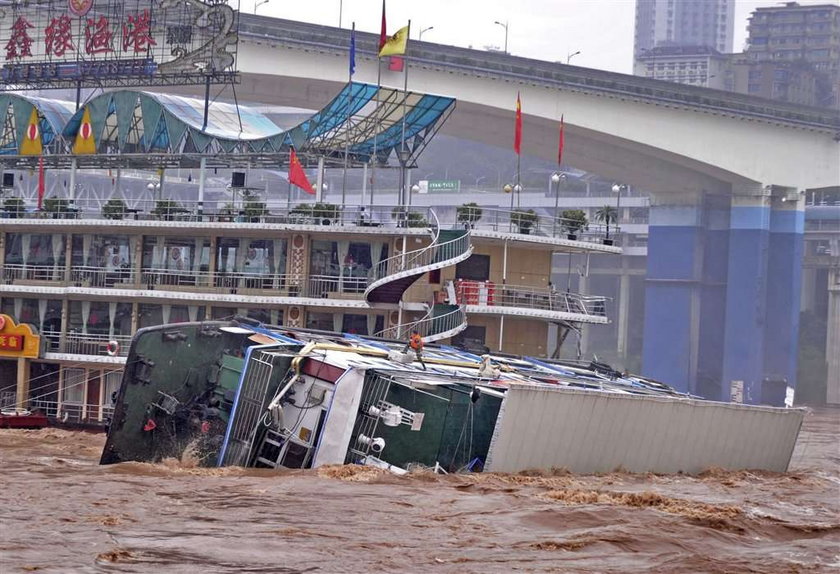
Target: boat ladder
271, 449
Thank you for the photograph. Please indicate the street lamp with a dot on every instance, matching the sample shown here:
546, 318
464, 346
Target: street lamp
556, 178
617, 189
258, 4
505, 26
420, 36
155, 189
570, 56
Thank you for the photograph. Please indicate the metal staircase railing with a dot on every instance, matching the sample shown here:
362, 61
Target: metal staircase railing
432, 327
437, 255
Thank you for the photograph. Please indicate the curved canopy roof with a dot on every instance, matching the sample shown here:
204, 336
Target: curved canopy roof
145, 129
16, 111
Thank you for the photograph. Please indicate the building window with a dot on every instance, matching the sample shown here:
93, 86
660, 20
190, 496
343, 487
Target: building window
73, 390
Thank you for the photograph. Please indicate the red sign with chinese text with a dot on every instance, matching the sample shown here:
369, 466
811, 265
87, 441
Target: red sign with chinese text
11, 342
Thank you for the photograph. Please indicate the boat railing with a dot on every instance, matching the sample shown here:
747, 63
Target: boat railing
485, 293
430, 327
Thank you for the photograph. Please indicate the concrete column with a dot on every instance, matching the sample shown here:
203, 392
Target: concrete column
65, 323
784, 287
713, 297
672, 290
22, 391
746, 292
832, 348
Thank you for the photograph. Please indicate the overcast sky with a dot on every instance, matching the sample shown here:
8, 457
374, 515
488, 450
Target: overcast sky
602, 30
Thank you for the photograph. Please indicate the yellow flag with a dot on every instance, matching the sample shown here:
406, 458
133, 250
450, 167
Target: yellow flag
395, 45
31, 144
85, 143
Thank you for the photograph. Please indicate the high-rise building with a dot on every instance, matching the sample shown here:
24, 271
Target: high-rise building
684, 23
799, 35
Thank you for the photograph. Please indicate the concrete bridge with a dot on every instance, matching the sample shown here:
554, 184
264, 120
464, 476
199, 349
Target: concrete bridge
726, 171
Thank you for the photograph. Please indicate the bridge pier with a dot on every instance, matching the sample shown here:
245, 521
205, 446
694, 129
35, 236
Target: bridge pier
784, 270
722, 292
746, 293
672, 292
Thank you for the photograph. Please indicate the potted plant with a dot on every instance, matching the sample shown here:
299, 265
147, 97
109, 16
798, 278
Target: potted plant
114, 209
572, 221
325, 212
301, 213
57, 207
254, 210
607, 215
166, 209
14, 207
468, 213
524, 220
407, 218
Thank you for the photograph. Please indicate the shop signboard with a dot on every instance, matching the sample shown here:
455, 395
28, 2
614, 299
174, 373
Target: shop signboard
96, 43
18, 340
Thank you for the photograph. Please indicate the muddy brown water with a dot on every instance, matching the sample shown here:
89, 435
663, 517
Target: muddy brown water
62, 512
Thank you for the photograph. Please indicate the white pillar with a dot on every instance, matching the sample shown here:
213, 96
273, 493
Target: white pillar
72, 191
202, 179
319, 181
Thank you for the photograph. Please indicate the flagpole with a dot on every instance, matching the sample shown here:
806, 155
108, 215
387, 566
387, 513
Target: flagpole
375, 129
349, 112
382, 37
403, 158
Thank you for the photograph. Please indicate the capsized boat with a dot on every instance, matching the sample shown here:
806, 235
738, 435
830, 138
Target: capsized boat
241, 393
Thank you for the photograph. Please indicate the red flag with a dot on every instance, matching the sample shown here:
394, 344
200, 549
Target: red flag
396, 64
562, 141
41, 186
297, 175
383, 33
517, 134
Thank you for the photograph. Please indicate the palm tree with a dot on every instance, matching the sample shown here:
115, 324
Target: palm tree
606, 215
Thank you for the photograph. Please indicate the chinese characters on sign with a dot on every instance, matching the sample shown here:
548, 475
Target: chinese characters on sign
58, 36
11, 342
20, 44
60, 43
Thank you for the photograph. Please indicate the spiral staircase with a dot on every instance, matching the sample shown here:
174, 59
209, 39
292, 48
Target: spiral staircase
390, 279
441, 322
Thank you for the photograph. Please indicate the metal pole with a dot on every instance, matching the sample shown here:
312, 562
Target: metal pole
556, 209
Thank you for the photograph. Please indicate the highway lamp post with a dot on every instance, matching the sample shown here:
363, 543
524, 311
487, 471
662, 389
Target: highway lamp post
556, 178
261, 2
570, 56
414, 189
422, 30
617, 189
505, 26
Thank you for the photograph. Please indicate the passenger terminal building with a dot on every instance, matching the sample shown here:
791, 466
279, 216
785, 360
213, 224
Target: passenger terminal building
87, 272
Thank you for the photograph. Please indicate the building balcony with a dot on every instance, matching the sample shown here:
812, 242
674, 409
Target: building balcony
75, 343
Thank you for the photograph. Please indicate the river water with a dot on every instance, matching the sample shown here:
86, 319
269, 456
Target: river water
64, 513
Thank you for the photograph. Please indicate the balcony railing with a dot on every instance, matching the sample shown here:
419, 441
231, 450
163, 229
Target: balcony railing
85, 344
524, 297
377, 216
13, 272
